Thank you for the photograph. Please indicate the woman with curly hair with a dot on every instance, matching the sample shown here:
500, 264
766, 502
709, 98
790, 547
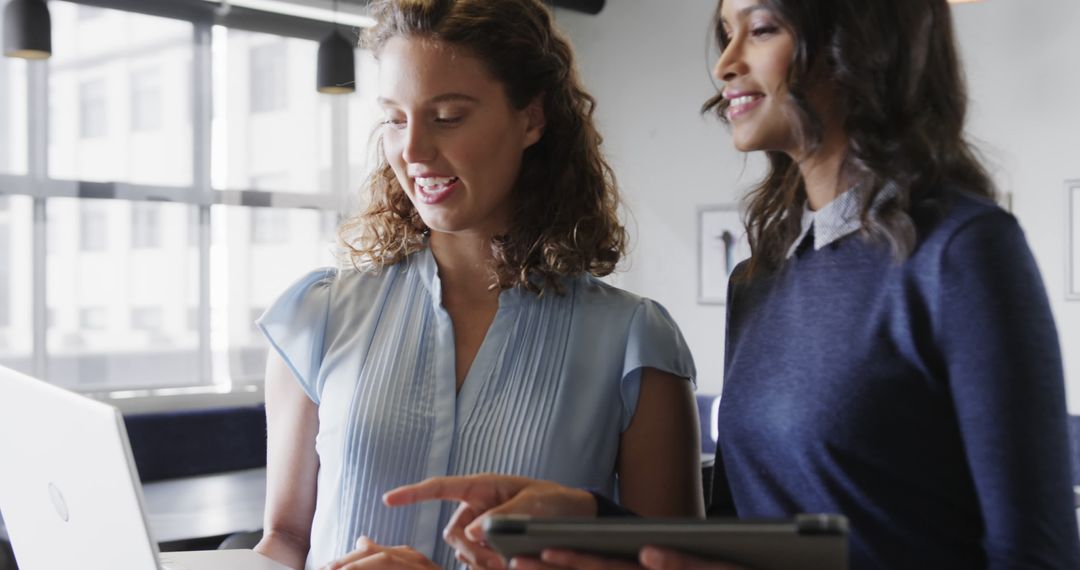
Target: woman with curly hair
471, 333
890, 351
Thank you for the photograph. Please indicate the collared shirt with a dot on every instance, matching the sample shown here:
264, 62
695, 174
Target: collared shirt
838, 218
555, 382
923, 399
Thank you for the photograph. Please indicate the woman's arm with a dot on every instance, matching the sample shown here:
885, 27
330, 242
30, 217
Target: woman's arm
997, 335
292, 466
660, 452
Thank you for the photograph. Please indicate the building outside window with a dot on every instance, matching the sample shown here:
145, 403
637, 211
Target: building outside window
5, 272
145, 225
145, 100
193, 227
148, 319
93, 319
92, 110
13, 116
193, 319
92, 227
267, 77
254, 315
269, 226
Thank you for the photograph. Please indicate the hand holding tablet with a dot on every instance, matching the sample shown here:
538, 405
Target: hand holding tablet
503, 517
810, 542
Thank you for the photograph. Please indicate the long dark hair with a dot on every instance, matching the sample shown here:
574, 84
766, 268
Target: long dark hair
894, 68
565, 219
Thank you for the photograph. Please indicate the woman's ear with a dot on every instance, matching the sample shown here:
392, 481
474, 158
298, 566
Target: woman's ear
534, 114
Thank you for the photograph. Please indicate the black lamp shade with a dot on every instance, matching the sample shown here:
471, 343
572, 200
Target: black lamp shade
27, 29
592, 7
337, 64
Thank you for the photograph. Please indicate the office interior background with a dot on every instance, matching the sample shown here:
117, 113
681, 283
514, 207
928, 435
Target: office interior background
161, 181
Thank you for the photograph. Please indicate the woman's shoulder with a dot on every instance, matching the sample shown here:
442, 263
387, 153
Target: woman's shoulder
315, 282
958, 212
350, 278
644, 332
603, 299
594, 291
973, 235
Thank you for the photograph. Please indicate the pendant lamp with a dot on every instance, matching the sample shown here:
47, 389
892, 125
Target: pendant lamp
27, 29
337, 63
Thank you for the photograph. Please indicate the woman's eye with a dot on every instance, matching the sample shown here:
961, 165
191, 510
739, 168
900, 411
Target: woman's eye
764, 30
449, 120
395, 123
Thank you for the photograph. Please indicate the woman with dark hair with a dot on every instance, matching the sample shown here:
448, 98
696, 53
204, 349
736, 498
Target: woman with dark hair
471, 333
890, 350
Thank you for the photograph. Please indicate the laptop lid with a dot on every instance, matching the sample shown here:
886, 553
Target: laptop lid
69, 492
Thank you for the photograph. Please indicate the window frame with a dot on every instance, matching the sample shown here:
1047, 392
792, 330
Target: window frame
200, 194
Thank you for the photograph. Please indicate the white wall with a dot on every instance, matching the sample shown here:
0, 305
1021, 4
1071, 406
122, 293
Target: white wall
1023, 66
647, 63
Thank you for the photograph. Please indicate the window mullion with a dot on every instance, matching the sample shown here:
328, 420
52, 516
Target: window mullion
202, 188
37, 108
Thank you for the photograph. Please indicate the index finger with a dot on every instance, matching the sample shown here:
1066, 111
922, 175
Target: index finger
457, 488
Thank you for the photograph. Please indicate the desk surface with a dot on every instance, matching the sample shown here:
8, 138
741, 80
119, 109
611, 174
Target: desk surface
207, 505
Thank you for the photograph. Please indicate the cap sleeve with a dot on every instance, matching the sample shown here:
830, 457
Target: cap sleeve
652, 341
295, 325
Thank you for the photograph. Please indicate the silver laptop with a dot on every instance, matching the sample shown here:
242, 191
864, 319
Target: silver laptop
69, 492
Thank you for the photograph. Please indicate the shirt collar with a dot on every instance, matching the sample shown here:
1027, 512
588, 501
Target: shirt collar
838, 218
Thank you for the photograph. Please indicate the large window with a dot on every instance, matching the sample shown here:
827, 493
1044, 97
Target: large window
155, 262
121, 310
271, 126
119, 94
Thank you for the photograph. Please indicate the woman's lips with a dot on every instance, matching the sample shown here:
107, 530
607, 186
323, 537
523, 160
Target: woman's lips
432, 191
743, 104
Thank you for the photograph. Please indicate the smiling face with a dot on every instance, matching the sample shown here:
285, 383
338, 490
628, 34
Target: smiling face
754, 68
451, 135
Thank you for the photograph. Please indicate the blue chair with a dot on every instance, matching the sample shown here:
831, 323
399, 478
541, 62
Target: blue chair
707, 405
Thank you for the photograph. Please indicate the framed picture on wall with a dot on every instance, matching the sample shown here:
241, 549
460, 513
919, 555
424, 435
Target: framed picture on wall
722, 244
1072, 233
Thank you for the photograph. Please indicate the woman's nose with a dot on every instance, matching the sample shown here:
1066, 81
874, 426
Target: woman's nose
418, 146
730, 64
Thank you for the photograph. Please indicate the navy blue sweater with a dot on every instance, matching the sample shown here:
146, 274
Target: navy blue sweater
924, 399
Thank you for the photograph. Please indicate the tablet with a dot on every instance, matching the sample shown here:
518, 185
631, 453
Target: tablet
805, 542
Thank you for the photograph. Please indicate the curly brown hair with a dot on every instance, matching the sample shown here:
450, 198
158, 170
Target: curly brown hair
897, 76
565, 215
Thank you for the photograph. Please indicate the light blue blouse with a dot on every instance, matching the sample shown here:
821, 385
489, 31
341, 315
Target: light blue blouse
551, 389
